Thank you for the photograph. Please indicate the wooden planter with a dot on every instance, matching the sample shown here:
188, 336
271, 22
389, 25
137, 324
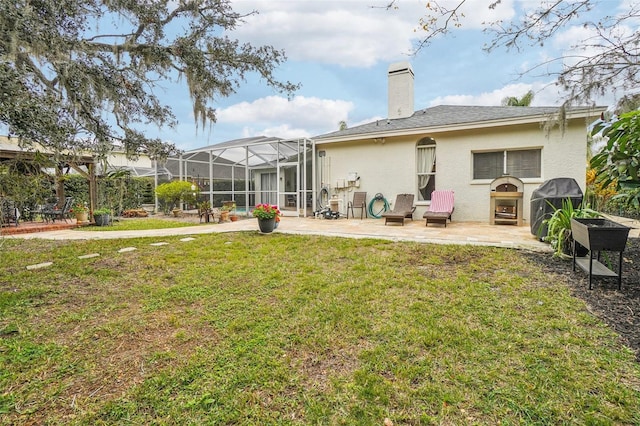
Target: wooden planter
82, 217
598, 235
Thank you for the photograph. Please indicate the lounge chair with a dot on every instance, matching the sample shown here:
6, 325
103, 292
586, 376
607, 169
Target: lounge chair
359, 202
441, 207
403, 208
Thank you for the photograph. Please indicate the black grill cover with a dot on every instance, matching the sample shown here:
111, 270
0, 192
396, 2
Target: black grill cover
553, 191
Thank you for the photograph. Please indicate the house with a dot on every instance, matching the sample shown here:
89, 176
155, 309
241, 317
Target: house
463, 148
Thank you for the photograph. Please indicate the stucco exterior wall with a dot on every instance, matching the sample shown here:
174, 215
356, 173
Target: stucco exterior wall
563, 155
390, 167
119, 159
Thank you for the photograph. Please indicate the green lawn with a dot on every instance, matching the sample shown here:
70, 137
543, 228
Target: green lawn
245, 328
139, 225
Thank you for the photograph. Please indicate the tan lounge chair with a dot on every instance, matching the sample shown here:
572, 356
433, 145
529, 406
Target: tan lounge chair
403, 208
441, 207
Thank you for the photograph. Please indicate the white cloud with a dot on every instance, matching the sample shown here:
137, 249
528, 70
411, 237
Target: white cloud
277, 116
349, 34
545, 94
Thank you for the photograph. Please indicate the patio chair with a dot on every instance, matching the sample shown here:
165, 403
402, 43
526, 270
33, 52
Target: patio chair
359, 202
8, 212
403, 208
51, 212
441, 207
205, 213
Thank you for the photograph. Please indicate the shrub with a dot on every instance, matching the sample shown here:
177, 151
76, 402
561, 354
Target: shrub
171, 193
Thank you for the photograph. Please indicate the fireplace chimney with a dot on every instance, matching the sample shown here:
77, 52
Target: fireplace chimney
400, 90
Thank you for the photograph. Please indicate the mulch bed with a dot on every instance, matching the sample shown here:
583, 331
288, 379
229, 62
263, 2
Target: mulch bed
620, 309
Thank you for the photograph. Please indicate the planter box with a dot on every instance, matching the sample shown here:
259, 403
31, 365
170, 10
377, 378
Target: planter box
598, 235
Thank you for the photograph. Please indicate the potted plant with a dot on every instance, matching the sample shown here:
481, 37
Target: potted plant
232, 212
267, 215
102, 216
81, 211
225, 211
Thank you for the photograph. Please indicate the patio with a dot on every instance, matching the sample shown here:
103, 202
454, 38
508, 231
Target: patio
473, 233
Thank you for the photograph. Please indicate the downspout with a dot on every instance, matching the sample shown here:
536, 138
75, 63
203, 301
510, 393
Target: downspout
314, 175
211, 178
246, 181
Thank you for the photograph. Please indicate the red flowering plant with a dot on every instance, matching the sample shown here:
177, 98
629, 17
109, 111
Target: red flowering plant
80, 208
267, 211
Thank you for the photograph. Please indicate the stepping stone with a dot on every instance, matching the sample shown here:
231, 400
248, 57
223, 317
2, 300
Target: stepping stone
39, 265
126, 249
187, 239
162, 243
89, 256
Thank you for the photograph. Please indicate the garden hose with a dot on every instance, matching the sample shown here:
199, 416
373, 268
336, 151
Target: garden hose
324, 193
385, 206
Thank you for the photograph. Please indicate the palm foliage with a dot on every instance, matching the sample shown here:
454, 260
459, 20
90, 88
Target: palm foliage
559, 225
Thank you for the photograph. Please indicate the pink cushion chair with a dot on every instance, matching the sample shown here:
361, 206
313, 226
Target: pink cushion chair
441, 207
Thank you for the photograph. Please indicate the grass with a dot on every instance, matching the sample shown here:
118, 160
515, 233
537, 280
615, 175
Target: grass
246, 328
139, 225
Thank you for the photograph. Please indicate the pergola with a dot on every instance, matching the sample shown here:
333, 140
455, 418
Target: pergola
84, 164
250, 171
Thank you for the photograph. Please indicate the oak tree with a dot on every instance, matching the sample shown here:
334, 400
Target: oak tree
84, 75
606, 59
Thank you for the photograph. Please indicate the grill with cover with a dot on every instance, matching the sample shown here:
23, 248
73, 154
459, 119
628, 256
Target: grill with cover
548, 197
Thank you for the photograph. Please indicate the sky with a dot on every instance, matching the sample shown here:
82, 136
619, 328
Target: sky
340, 51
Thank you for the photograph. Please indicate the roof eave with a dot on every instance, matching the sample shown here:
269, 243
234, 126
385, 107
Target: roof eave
532, 119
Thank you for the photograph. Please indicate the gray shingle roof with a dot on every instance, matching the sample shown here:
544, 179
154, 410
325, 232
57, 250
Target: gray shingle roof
451, 115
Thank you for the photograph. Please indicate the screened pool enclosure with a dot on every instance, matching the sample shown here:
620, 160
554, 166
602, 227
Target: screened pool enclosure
250, 171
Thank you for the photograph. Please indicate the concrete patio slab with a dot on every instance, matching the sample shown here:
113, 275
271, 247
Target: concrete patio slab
469, 233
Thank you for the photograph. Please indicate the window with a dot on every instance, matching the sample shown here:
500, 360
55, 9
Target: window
426, 158
524, 163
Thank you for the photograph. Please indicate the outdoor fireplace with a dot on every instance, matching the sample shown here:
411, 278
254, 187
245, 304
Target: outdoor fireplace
506, 201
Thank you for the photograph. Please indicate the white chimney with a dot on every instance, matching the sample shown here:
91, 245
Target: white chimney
400, 90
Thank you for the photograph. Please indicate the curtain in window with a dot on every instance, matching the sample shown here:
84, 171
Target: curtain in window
426, 161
